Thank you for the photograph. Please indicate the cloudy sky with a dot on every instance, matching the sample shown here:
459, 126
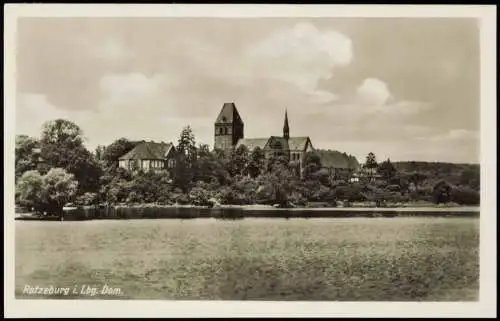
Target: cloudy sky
405, 89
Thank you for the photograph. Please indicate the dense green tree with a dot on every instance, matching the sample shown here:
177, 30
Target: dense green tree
387, 169
311, 164
49, 192
115, 150
240, 160
371, 164
465, 195
62, 146
471, 177
441, 192
26, 154
256, 162
186, 146
200, 194
186, 160
99, 153
276, 185
29, 189
59, 188
209, 168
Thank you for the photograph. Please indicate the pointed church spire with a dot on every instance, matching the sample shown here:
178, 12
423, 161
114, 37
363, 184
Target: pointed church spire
286, 129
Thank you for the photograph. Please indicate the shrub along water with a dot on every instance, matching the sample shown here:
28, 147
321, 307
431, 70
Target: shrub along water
205, 178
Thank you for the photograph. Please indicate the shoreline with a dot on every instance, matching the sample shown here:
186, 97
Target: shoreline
257, 207
258, 211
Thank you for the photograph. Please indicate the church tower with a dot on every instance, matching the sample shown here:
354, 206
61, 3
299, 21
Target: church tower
286, 128
228, 127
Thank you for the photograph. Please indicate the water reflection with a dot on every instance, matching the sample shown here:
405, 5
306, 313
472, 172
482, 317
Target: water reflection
152, 212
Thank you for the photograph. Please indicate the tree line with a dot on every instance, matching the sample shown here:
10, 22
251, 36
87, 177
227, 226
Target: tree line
57, 169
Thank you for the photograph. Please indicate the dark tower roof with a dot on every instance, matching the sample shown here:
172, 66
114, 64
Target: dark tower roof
228, 114
286, 128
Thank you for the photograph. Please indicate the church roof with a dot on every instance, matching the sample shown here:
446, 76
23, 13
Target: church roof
336, 159
293, 143
228, 114
252, 143
149, 150
276, 142
297, 143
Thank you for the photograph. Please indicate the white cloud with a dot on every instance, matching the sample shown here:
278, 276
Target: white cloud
301, 55
130, 88
112, 50
456, 135
373, 91
33, 110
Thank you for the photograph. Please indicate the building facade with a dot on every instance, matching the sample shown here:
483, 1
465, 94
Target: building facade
228, 127
149, 156
229, 134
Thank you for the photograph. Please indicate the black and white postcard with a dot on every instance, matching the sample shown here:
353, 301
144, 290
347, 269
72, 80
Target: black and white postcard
250, 160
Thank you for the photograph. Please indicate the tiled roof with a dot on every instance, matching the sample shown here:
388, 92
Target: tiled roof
293, 143
252, 143
336, 159
276, 142
298, 143
149, 150
228, 114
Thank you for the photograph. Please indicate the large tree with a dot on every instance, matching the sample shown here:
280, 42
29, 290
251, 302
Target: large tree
115, 150
26, 154
276, 185
371, 164
256, 162
62, 146
186, 160
209, 168
186, 145
29, 189
311, 165
49, 192
239, 161
441, 192
387, 169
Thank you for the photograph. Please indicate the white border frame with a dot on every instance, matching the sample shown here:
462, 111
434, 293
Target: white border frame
485, 307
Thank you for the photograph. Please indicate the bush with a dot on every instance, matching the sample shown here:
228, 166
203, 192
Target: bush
182, 199
296, 198
393, 188
441, 192
87, 199
199, 196
465, 196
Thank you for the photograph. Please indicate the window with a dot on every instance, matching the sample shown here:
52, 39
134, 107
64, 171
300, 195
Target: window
171, 163
277, 145
225, 130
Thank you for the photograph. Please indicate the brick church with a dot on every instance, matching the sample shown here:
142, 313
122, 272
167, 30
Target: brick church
229, 134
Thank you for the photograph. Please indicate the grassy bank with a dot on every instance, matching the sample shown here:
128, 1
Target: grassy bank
255, 259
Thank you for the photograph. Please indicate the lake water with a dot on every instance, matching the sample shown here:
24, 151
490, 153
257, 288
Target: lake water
272, 259
240, 213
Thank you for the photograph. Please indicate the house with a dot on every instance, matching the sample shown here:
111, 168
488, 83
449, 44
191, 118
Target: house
229, 134
149, 156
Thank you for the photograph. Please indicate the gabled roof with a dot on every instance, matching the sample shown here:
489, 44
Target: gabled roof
228, 114
276, 142
298, 143
252, 143
149, 150
336, 159
293, 143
